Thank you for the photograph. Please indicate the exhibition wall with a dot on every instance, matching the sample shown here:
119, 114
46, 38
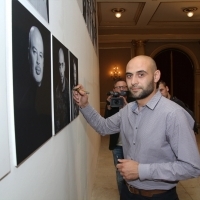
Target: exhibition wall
60, 165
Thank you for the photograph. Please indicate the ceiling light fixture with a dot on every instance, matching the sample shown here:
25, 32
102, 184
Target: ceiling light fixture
190, 11
118, 12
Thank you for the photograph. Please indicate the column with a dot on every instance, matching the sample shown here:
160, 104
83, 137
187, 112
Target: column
139, 47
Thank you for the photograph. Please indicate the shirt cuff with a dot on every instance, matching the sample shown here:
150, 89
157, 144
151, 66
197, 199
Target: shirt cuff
85, 108
80, 108
144, 172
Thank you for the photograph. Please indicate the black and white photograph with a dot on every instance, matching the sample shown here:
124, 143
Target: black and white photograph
73, 83
31, 81
94, 25
89, 15
84, 9
42, 6
61, 85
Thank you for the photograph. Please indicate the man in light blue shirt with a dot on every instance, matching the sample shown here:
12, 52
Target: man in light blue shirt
157, 136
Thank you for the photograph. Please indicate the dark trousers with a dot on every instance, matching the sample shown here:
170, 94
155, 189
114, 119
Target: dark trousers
169, 195
118, 154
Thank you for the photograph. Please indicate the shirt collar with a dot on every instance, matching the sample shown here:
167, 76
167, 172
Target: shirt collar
151, 103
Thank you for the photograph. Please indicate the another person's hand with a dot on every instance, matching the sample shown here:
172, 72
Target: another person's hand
80, 96
108, 102
128, 169
109, 98
125, 102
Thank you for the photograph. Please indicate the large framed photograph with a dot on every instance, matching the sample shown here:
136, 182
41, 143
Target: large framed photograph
89, 15
73, 82
61, 85
31, 82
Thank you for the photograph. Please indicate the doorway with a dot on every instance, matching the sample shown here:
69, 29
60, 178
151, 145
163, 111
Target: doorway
177, 70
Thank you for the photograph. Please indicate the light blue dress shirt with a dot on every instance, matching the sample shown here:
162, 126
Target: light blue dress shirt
159, 136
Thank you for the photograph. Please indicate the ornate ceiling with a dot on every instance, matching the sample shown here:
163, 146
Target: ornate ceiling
151, 20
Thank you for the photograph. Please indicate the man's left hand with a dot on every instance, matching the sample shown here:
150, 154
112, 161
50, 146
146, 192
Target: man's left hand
128, 169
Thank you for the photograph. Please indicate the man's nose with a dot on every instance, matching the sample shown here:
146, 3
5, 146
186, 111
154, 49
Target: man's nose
134, 80
38, 59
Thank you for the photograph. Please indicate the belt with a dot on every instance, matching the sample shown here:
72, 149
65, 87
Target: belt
146, 193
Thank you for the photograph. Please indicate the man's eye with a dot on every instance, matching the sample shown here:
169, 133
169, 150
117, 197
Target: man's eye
128, 75
34, 50
141, 74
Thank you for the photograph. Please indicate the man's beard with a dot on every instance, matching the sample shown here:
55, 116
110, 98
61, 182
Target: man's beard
144, 93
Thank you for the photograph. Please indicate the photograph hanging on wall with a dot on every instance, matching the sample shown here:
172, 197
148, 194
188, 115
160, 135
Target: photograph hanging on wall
94, 24
89, 15
61, 85
31, 82
73, 82
42, 6
84, 9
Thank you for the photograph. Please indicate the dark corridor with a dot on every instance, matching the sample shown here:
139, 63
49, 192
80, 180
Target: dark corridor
177, 70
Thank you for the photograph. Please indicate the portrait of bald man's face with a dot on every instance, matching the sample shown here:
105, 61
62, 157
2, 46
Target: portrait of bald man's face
61, 63
36, 55
31, 48
75, 74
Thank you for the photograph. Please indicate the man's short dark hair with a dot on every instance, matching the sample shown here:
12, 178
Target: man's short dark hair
161, 82
118, 81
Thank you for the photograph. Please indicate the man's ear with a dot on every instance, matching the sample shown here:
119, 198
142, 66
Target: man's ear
167, 88
157, 75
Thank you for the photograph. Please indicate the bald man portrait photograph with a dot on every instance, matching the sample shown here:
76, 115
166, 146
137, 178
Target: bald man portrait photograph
61, 85
31, 82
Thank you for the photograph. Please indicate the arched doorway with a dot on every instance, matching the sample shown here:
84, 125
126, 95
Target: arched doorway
177, 70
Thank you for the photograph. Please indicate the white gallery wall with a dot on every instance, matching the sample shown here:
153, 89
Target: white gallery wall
63, 167
4, 139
